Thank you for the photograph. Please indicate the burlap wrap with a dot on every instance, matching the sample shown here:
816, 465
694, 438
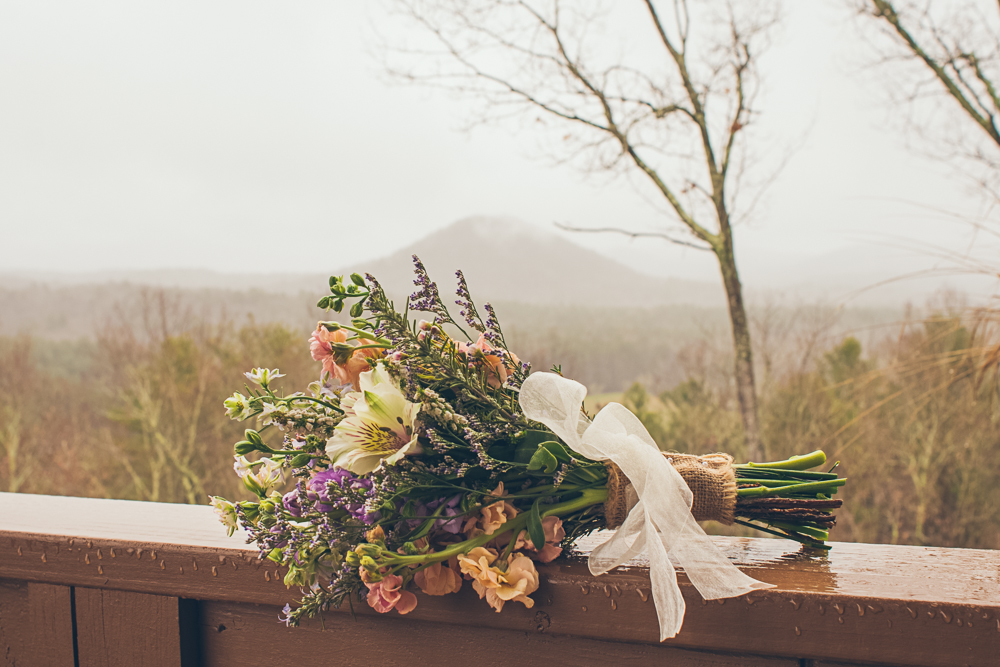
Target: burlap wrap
711, 479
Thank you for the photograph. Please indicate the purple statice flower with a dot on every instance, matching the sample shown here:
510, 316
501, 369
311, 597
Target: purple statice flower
286, 615
338, 488
291, 502
464, 302
427, 298
451, 520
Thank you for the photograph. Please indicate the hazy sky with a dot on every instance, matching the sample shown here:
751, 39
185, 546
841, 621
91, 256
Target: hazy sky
262, 136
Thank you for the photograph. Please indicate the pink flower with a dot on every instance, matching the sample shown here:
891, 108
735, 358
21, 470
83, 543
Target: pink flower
497, 371
438, 579
384, 596
554, 534
321, 349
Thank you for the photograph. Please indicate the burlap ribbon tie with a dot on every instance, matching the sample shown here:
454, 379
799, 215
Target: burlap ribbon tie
660, 522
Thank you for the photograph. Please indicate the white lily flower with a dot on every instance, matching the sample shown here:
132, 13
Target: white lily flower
262, 376
237, 407
268, 474
226, 512
379, 424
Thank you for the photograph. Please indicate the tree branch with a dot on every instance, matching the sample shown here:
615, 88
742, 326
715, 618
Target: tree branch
634, 235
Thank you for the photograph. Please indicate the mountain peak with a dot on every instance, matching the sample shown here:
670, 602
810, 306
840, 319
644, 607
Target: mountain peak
506, 259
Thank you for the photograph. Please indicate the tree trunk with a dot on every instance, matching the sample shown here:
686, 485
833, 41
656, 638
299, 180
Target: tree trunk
745, 386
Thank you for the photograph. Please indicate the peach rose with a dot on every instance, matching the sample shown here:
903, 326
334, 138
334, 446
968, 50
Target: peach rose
554, 535
499, 587
438, 579
490, 517
516, 584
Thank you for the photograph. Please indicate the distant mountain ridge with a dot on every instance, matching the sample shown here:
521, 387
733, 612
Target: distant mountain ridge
503, 259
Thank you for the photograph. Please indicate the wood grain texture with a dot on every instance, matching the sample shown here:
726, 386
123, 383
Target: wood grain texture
124, 629
238, 634
36, 624
861, 604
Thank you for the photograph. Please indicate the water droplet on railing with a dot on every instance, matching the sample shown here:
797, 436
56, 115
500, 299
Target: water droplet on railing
822, 610
19, 552
607, 591
163, 565
194, 564
959, 622
861, 610
43, 558
90, 545
215, 572
946, 616
840, 610
585, 589
267, 575
86, 558
969, 623
840, 619
153, 555
583, 608
797, 631
113, 553
643, 595
100, 556
100, 570
749, 600
930, 614
222, 559
720, 601
182, 569
913, 614
795, 603
614, 605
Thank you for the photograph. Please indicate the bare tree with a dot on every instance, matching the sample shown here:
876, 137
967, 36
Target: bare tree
665, 93
947, 55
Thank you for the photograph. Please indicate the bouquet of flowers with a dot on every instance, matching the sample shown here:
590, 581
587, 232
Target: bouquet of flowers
422, 460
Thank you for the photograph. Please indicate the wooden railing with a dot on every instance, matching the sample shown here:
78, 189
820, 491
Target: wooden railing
107, 582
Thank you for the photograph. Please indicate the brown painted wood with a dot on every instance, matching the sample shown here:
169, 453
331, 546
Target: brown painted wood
36, 624
239, 634
859, 604
124, 629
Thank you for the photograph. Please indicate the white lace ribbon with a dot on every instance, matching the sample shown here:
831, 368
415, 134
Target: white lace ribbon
661, 522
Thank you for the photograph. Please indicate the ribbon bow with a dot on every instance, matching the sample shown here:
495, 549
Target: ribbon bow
661, 522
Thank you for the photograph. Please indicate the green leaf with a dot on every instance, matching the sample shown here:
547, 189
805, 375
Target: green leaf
526, 444
558, 450
357, 309
543, 460
535, 530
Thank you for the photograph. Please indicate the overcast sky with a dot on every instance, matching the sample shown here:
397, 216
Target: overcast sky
263, 136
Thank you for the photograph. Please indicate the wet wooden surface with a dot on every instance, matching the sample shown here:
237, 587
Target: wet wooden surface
860, 604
